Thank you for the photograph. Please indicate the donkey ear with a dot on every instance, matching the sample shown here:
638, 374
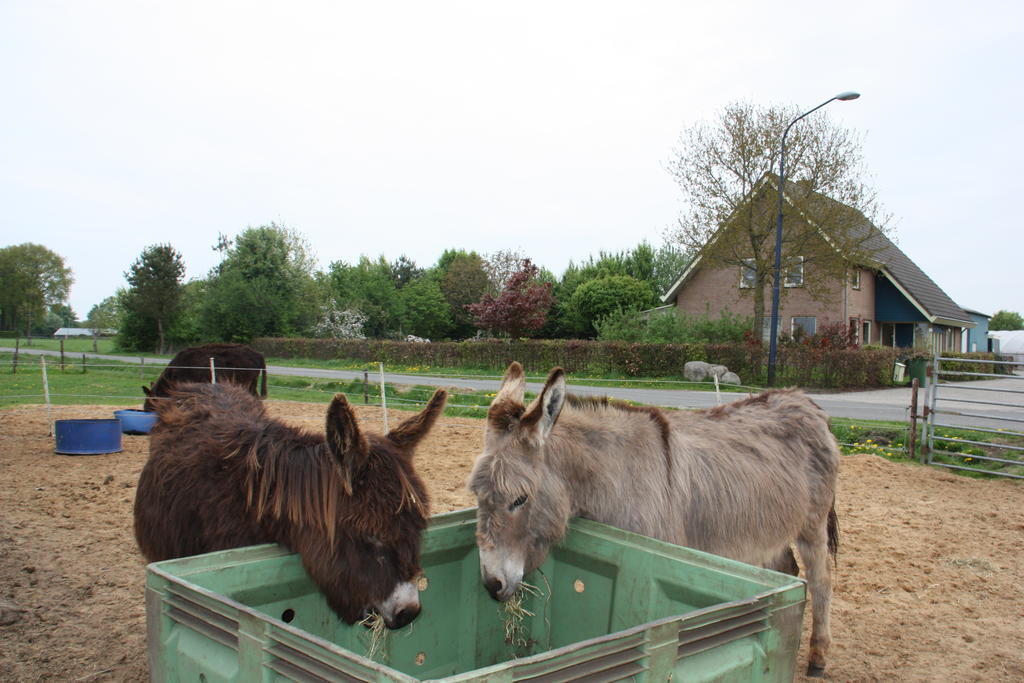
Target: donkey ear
345, 440
148, 391
547, 406
408, 434
513, 385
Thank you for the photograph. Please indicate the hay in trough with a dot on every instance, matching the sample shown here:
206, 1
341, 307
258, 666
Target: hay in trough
514, 615
378, 634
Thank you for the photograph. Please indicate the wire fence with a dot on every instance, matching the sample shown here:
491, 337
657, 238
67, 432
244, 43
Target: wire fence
381, 390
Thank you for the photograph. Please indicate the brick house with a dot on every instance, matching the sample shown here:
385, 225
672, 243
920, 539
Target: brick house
887, 301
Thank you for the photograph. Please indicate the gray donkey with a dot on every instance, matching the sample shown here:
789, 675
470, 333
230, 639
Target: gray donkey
742, 480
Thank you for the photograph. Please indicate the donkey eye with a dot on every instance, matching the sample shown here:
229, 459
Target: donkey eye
518, 502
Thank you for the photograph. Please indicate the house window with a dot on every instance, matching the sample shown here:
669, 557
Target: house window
795, 273
808, 325
855, 278
866, 337
748, 274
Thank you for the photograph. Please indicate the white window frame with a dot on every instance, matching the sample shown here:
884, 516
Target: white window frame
865, 326
855, 278
797, 267
748, 269
793, 325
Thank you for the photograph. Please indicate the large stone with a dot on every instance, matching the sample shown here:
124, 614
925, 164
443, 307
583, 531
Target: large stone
730, 378
717, 371
696, 370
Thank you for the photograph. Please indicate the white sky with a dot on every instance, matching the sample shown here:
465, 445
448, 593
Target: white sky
410, 127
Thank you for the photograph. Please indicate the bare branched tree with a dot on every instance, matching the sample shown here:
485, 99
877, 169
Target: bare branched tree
727, 170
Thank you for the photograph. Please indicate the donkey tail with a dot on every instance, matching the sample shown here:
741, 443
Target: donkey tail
833, 532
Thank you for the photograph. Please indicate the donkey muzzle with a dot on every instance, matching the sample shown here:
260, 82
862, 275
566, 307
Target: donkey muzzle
402, 606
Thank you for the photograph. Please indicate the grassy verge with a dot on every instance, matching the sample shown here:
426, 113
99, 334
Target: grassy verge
953, 446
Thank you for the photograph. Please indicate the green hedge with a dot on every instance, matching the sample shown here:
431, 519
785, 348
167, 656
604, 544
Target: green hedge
964, 364
795, 366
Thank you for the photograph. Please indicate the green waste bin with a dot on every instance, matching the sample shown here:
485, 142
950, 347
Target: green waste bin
917, 368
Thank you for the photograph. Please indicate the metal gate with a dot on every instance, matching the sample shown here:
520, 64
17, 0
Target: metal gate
975, 420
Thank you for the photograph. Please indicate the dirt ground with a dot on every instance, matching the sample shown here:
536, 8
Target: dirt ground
928, 585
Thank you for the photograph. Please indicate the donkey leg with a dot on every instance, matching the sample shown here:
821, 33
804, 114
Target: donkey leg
813, 545
785, 563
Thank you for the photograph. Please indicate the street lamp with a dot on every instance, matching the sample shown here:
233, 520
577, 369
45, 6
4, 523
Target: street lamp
773, 341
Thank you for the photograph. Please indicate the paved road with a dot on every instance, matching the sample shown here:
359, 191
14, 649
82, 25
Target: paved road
880, 404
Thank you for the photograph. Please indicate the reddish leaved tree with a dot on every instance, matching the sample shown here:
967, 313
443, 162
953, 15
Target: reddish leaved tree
520, 308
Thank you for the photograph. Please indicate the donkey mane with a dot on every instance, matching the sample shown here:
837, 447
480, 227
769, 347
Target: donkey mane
602, 403
605, 402
290, 473
300, 485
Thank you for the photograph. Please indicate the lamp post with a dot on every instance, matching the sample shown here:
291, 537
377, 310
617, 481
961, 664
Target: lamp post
774, 333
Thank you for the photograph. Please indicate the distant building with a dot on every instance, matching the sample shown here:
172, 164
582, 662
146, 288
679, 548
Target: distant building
65, 332
976, 338
1009, 343
887, 300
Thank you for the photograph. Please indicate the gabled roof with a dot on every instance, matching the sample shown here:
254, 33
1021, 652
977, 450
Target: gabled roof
887, 259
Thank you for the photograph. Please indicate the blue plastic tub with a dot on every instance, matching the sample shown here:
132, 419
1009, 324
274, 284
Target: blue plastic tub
135, 421
88, 437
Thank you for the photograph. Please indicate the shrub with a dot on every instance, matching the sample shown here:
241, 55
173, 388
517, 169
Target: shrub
672, 327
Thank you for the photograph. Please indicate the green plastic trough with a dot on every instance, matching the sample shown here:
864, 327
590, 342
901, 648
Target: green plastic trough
612, 605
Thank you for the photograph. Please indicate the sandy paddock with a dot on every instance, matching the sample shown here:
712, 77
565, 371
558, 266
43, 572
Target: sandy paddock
928, 585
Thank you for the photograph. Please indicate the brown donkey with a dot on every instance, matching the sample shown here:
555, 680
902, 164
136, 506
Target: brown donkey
222, 474
743, 480
235, 363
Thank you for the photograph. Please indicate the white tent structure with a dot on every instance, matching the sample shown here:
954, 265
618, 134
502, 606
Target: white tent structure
82, 332
1011, 343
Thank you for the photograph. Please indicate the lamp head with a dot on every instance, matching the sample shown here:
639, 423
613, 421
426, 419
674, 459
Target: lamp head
848, 95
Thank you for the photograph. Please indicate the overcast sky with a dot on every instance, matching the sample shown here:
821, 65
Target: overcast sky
410, 127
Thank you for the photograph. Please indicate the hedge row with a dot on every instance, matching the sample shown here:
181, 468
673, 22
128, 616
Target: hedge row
802, 366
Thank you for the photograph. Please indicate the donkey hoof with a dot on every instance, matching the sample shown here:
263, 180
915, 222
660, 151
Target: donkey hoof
814, 671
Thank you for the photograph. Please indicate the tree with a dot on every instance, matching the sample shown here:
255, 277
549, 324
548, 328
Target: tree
520, 308
152, 301
595, 299
335, 323
404, 271
264, 286
103, 317
669, 263
368, 287
500, 267
463, 281
32, 280
1006, 320
425, 310
725, 170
